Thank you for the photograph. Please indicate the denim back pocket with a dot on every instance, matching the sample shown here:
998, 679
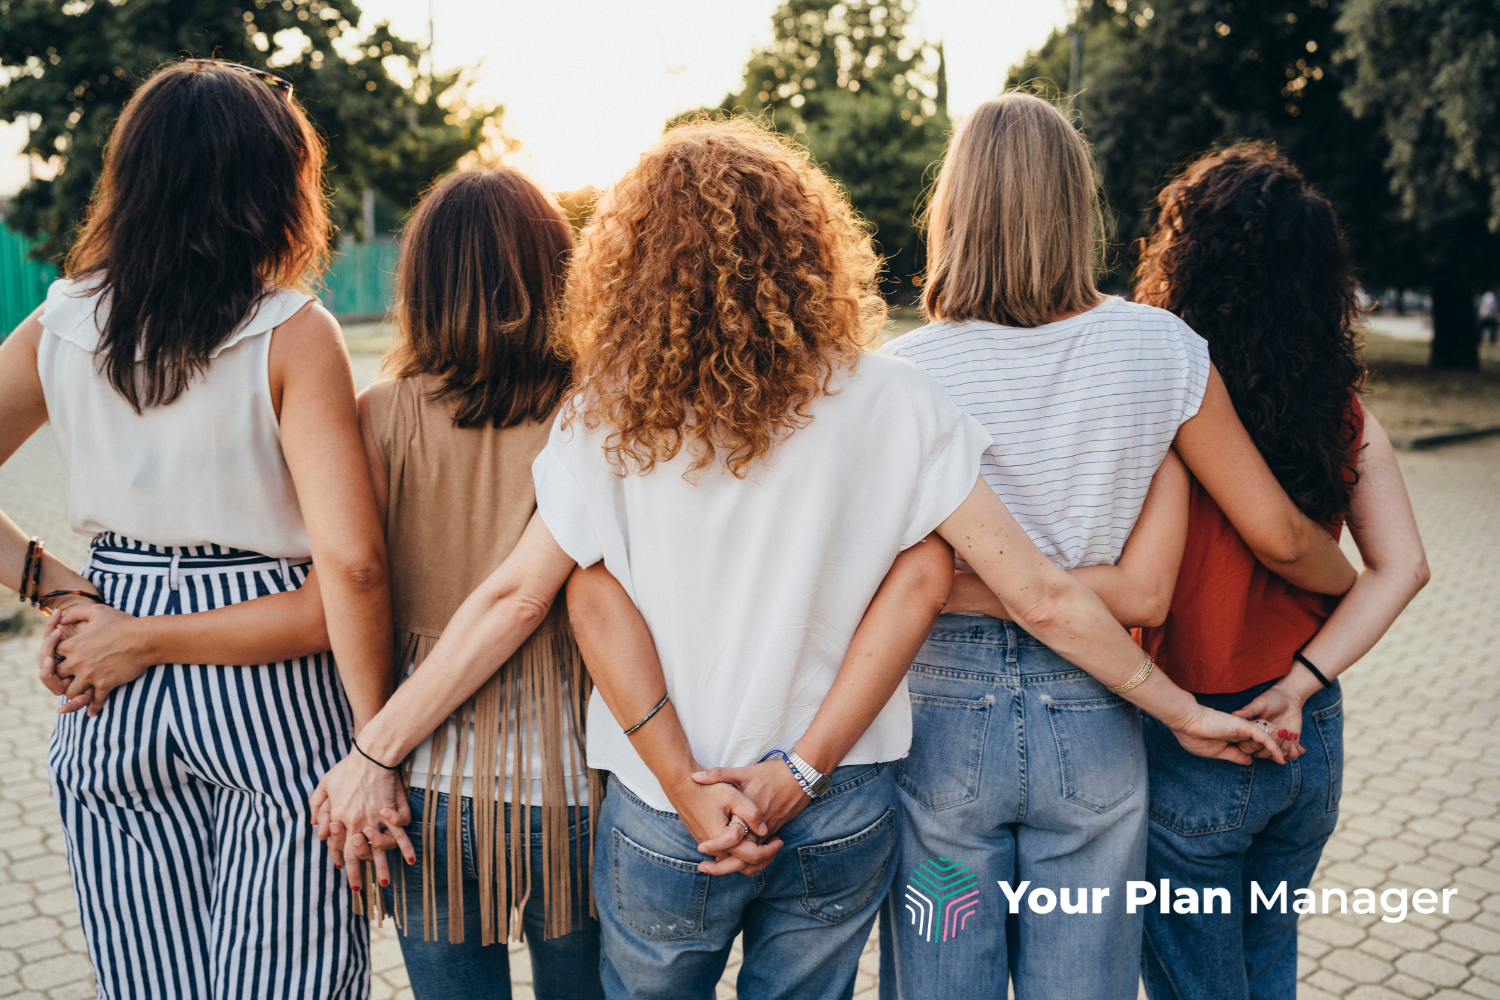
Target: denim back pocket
1330, 723
661, 897
842, 876
1194, 795
947, 750
1096, 749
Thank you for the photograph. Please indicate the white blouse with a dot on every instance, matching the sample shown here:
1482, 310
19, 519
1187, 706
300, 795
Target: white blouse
205, 469
752, 588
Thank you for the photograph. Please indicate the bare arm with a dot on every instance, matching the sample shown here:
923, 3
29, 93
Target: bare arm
1065, 615
486, 630
1218, 451
1385, 530
313, 389
1138, 589
103, 648
622, 660
23, 409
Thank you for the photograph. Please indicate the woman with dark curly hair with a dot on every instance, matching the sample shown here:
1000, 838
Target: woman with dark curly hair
1252, 258
753, 499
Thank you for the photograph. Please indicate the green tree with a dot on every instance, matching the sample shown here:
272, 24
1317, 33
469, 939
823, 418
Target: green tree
869, 100
1428, 73
1163, 80
73, 65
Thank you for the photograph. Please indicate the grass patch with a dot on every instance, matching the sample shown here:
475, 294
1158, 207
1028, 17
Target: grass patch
1409, 396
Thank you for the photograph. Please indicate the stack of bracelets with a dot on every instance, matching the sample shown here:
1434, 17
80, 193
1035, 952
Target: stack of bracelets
31, 581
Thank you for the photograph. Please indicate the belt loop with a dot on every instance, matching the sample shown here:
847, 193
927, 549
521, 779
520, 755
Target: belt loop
1010, 642
286, 574
172, 572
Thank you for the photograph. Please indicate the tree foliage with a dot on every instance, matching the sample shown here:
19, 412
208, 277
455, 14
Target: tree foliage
1164, 80
73, 65
1427, 73
1389, 106
870, 102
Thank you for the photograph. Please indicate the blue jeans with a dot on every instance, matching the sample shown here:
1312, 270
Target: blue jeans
1214, 823
564, 968
1023, 768
668, 927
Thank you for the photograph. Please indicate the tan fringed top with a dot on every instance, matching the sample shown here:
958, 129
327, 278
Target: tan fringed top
458, 501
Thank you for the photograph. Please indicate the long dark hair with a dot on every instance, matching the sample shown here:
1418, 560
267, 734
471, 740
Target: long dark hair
1252, 258
480, 285
211, 196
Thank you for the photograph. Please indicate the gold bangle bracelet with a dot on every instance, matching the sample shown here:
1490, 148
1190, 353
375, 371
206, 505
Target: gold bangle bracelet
1137, 680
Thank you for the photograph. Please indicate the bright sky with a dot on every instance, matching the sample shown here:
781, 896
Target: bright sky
587, 84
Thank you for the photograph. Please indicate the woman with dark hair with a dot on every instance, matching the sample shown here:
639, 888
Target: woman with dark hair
1251, 257
203, 404
753, 498
500, 794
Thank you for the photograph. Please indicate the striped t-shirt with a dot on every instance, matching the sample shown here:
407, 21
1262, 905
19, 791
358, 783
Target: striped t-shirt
1082, 412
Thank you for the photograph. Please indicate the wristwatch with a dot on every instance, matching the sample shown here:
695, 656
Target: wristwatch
815, 782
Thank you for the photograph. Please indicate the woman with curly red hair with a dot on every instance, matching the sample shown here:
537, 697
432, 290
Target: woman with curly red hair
753, 499
1251, 256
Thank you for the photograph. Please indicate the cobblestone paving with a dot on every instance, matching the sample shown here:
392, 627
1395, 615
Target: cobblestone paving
1421, 800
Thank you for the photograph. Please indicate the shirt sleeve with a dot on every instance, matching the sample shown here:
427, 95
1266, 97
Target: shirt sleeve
953, 448
1195, 356
560, 498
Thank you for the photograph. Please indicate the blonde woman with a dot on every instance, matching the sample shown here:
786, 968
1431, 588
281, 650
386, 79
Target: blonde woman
738, 476
1025, 768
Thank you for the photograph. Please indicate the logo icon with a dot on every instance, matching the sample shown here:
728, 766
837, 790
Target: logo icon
941, 891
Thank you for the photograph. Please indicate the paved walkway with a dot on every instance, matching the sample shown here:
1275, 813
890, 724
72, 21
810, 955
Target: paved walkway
1421, 806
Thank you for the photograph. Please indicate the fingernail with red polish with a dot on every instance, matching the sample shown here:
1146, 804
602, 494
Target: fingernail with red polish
385, 881
1294, 736
411, 861
1281, 734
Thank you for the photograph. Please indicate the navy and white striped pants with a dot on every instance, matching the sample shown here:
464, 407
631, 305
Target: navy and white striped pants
184, 803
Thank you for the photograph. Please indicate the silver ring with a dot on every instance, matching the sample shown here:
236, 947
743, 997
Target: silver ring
742, 825
1266, 726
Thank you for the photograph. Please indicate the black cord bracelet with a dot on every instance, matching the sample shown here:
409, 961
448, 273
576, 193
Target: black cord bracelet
1315, 671
372, 760
647, 718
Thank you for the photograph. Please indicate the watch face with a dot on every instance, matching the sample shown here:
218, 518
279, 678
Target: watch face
821, 785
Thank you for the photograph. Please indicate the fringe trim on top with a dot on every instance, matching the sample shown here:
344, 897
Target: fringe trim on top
545, 678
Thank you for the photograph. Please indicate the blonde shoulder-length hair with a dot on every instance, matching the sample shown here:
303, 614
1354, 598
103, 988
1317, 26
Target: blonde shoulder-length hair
1014, 225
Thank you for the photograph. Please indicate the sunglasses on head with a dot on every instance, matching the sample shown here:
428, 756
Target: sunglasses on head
279, 84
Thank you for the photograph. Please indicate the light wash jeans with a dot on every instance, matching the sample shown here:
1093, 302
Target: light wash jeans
563, 968
1219, 824
1023, 768
667, 927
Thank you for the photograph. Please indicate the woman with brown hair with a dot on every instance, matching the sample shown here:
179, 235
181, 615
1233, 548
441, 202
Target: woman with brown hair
1083, 397
739, 478
500, 795
203, 404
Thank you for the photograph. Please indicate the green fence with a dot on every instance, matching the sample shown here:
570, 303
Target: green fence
23, 281
360, 283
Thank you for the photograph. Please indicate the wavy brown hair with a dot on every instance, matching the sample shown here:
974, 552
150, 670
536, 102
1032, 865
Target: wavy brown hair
480, 283
1251, 257
212, 195
717, 291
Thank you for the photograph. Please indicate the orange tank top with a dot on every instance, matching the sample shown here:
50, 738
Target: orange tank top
1233, 623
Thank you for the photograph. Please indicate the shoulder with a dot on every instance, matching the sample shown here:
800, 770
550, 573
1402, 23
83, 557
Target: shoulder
72, 311
927, 340
310, 328
1151, 322
897, 385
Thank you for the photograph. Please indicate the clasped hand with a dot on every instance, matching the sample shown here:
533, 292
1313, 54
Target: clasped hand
88, 651
714, 803
361, 812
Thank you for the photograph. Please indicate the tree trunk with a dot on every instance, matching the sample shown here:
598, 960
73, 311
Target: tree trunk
1455, 327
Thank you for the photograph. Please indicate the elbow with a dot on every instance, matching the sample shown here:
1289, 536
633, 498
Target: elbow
1420, 573
1155, 606
526, 611
363, 572
1044, 612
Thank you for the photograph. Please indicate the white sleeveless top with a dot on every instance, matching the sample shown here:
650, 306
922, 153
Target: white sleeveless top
205, 469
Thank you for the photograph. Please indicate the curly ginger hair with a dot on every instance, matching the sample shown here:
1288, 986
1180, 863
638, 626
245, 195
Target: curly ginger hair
718, 289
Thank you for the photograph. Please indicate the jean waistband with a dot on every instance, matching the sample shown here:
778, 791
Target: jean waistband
982, 630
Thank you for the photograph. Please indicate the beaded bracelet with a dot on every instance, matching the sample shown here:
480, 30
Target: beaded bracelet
793, 767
